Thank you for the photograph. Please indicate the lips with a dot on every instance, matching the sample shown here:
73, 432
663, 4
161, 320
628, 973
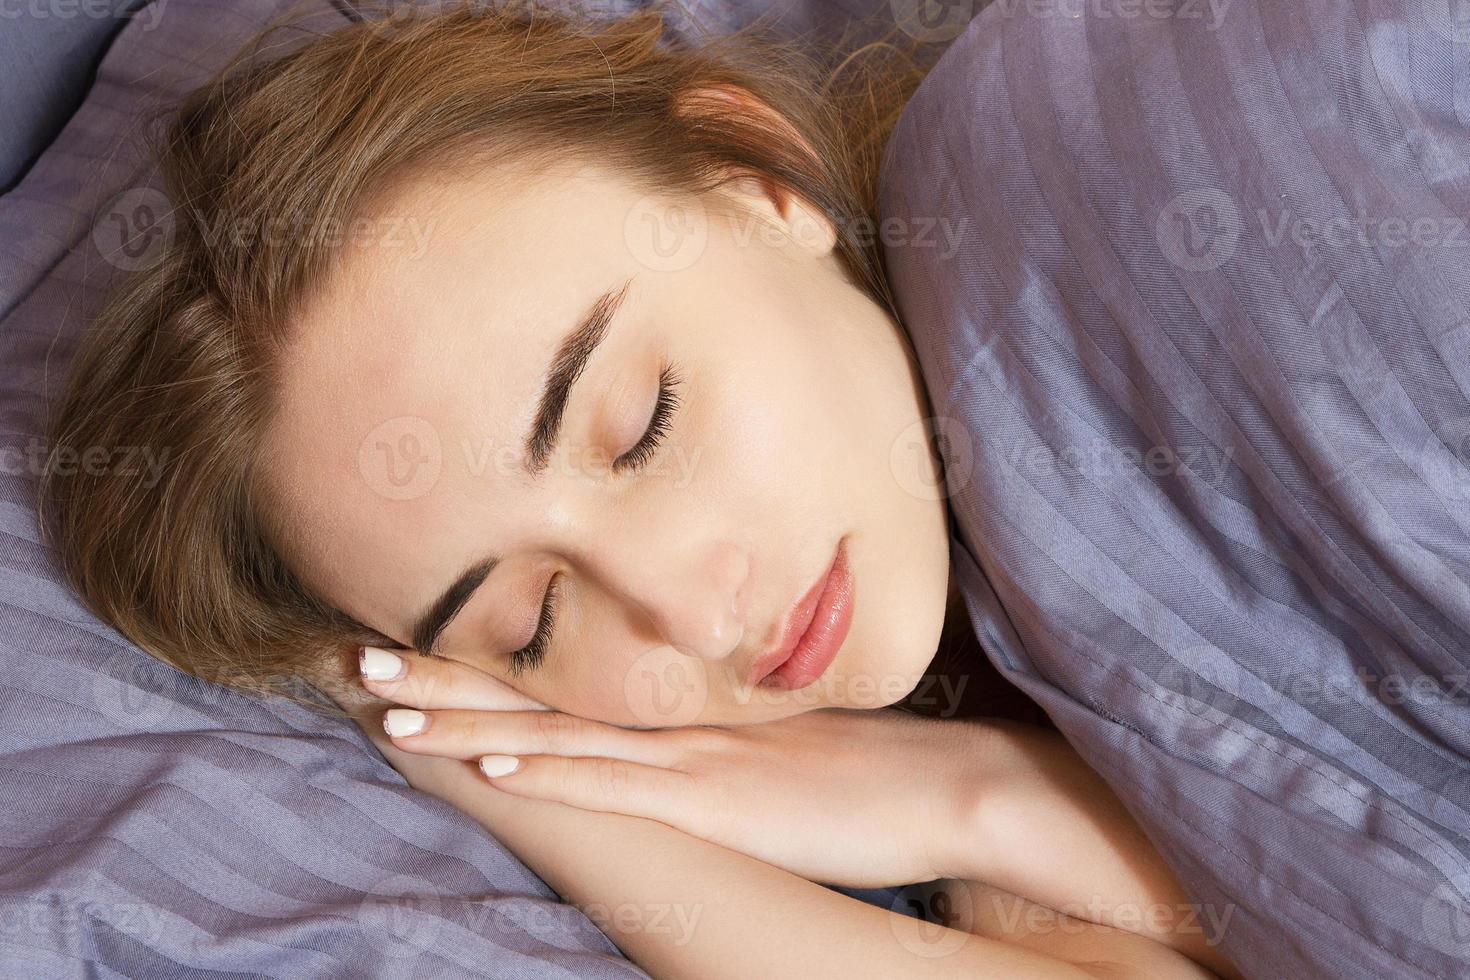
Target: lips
812, 632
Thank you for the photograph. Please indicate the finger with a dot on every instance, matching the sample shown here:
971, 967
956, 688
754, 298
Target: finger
433, 682
462, 734
600, 784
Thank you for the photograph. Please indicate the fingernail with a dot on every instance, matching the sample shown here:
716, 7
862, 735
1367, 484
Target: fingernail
379, 665
499, 765
404, 721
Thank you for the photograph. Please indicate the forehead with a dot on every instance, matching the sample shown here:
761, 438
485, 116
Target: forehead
410, 378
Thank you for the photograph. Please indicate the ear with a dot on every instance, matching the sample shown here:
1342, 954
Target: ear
806, 225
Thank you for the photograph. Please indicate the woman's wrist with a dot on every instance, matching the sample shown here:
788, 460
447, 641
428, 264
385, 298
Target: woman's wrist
1028, 809
975, 800
1020, 786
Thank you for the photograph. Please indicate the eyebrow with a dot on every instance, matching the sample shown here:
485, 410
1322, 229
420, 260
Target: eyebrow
432, 623
567, 365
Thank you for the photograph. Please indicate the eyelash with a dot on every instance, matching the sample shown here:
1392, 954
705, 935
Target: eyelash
531, 656
658, 424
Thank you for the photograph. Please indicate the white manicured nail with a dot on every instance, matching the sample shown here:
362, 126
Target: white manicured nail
404, 721
499, 765
380, 665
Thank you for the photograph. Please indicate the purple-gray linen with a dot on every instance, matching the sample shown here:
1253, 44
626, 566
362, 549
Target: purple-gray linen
1200, 350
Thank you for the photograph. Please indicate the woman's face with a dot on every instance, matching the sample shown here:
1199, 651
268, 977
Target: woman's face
678, 534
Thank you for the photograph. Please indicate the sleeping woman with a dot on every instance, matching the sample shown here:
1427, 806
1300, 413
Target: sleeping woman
532, 385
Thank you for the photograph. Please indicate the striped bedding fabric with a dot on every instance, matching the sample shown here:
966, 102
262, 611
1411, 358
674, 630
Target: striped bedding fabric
1190, 284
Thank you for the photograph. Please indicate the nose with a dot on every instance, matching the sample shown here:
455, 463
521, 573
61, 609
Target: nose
695, 594
703, 614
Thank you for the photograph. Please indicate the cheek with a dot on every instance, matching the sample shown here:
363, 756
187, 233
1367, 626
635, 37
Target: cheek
757, 422
602, 682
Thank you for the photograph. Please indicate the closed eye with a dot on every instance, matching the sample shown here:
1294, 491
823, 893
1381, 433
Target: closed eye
530, 656
658, 423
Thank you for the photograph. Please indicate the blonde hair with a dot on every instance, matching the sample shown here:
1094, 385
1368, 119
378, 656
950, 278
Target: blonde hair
181, 357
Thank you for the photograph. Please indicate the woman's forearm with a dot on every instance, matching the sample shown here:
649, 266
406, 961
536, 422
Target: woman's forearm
996, 914
681, 907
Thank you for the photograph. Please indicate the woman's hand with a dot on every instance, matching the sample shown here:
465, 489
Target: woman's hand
840, 797
837, 796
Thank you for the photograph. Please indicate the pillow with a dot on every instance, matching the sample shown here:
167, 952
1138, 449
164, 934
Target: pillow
159, 825
1190, 292
47, 56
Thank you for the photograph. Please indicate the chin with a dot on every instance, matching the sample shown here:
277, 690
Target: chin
913, 645
904, 589
916, 664
894, 666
